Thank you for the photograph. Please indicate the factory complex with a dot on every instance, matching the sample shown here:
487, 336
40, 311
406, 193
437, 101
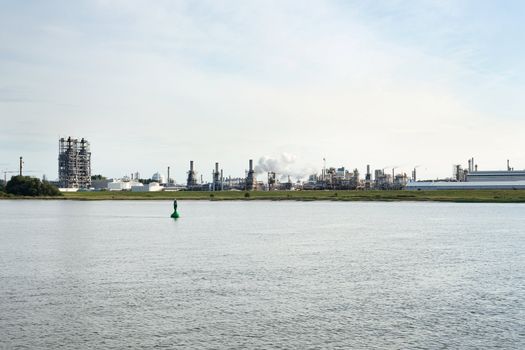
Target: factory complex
74, 168
74, 174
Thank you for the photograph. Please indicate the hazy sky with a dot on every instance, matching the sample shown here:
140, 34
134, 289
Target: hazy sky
157, 83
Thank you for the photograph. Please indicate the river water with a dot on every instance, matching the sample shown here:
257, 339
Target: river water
237, 275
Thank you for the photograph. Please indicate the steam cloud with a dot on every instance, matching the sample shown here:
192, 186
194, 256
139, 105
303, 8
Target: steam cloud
283, 166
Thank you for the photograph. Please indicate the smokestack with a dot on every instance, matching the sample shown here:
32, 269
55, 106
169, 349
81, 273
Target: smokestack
251, 164
368, 169
191, 165
217, 168
469, 166
168, 176
472, 163
476, 167
414, 177
508, 165
21, 165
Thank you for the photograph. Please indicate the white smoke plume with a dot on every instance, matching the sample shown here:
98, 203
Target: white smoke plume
283, 166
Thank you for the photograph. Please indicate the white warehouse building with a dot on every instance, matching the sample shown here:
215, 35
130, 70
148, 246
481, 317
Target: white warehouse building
476, 180
151, 187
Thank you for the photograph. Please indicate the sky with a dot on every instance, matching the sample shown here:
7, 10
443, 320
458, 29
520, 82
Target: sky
153, 84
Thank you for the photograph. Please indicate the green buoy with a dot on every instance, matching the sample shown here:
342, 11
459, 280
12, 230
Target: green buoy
175, 215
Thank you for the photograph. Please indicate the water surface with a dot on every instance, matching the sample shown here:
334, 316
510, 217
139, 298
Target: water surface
308, 275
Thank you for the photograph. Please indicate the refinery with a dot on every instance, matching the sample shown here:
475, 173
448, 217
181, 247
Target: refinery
74, 174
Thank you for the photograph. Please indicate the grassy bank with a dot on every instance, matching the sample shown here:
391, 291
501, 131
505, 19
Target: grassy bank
474, 196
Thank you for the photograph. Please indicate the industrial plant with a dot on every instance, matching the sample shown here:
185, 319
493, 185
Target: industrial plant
74, 174
221, 183
330, 178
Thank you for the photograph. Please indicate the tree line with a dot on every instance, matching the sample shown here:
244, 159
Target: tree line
29, 186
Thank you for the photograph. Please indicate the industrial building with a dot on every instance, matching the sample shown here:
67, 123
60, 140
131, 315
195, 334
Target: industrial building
496, 175
151, 187
477, 185
124, 184
74, 163
474, 179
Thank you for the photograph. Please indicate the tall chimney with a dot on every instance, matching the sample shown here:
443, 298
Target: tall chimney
469, 165
191, 165
21, 165
476, 167
508, 165
168, 176
251, 164
216, 167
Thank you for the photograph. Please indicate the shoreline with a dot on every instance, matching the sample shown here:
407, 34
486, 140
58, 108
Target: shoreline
459, 196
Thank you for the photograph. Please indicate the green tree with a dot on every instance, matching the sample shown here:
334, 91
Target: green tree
98, 177
28, 186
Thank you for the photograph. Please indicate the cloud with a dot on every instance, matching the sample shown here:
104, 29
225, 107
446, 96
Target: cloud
229, 81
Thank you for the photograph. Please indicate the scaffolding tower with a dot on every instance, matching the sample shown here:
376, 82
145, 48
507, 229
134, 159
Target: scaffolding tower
74, 163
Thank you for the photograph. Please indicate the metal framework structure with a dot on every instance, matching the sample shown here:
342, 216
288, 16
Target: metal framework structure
74, 163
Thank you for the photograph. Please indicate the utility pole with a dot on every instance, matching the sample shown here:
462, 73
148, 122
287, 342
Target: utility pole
324, 169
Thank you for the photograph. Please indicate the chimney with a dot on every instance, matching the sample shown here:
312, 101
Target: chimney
191, 165
508, 165
469, 166
216, 168
476, 167
251, 164
168, 182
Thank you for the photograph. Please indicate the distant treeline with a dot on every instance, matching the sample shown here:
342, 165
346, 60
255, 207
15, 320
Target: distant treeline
29, 186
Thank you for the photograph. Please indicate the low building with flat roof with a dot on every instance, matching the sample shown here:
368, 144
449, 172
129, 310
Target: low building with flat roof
496, 176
